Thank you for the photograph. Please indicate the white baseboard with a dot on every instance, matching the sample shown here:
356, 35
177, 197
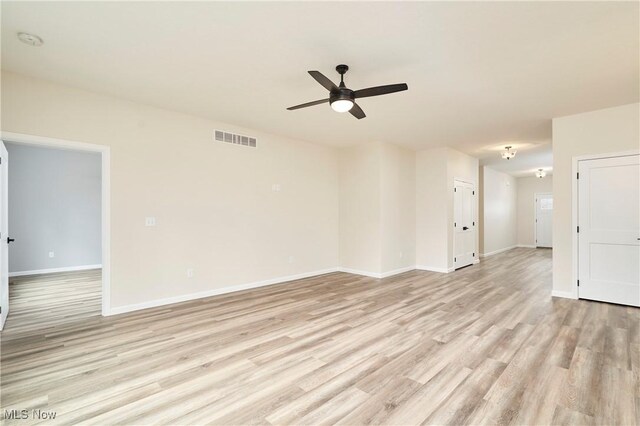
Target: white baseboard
359, 272
563, 294
434, 269
397, 271
53, 270
525, 246
214, 292
378, 274
502, 250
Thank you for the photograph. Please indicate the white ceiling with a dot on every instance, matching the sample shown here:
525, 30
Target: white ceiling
481, 75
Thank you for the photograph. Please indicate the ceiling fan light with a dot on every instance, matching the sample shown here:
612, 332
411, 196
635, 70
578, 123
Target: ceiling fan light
342, 105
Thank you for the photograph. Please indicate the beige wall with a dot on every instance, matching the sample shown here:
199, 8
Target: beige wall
398, 213
377, 208
527, 188
436, 170
499, 201
360, 208
604, 131
215, 208
431, 209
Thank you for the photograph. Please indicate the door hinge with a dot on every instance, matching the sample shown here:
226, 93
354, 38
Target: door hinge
455, 259
454, 224
473, 192
578, 229
455, 190
578, 175
474, 255
473, 223
578, 283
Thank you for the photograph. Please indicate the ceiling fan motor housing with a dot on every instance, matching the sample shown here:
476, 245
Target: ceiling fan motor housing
342, 94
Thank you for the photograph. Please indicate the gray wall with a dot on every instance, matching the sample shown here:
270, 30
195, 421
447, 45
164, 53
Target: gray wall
54, 205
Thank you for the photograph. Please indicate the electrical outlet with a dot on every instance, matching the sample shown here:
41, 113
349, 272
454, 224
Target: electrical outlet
52, 254
190, 273
150, 221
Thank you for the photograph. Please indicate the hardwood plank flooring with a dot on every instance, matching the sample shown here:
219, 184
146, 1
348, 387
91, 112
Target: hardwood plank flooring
483, 345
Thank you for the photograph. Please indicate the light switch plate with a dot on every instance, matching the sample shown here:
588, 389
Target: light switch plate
150, 221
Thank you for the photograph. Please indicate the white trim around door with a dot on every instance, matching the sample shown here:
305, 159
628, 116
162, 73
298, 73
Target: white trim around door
105, 152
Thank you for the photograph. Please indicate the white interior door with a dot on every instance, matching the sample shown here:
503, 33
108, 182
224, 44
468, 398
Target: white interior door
4, 234
544, 217
609, 230
464, 224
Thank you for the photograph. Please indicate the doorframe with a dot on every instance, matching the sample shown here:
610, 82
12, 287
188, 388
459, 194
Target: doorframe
535, 218
105, 153
474, 214
574, 209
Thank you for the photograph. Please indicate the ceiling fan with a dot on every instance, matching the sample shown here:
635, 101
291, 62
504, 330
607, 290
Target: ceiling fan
342, 99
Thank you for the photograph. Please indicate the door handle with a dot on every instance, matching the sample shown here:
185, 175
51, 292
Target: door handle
464, 228
10, 240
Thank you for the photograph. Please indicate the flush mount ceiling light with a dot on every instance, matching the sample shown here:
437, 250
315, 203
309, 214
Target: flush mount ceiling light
30, 39
540, 174
508, 154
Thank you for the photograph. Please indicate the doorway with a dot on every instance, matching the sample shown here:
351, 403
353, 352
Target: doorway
608, 229
543, 220
74, 205
464, 224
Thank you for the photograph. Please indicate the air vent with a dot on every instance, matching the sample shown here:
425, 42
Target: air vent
227, 137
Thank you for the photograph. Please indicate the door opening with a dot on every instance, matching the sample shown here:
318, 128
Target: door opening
54, 203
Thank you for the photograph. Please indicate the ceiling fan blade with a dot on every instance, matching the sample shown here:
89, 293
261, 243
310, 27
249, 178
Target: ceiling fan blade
357, 112
324, 81
308, 104
380, 90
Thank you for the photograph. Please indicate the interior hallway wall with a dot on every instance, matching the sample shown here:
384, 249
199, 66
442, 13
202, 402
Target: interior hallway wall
499, 204
527, 188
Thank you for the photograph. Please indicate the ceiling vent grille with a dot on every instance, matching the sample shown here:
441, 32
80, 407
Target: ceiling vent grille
227, 137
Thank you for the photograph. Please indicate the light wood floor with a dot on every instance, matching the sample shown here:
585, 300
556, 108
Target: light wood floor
483, 345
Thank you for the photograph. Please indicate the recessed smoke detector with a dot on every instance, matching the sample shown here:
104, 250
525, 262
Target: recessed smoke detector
30, 39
